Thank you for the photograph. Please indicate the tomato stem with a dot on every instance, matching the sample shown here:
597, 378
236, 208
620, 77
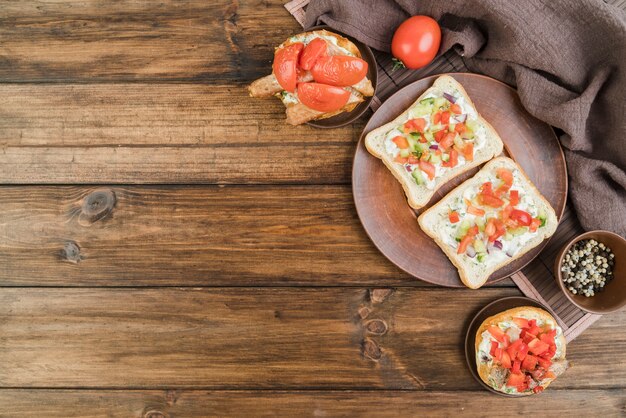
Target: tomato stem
397, 64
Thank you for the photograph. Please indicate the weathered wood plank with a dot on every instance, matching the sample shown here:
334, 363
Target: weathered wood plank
187, 236
278, 338
94, 40
195, 403
135, 133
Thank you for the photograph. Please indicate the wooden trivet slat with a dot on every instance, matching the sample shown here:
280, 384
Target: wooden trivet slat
535, 280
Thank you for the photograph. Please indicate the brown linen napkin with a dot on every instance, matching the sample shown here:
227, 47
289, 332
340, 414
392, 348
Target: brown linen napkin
566, 58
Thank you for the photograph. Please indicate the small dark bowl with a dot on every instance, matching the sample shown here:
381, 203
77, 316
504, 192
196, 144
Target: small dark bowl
346, 118
492, 309
613, 297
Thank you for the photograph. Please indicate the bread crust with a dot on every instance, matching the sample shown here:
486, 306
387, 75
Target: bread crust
419, 196
527, 312
425, 223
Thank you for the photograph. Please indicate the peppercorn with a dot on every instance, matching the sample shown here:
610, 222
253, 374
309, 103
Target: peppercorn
588, 267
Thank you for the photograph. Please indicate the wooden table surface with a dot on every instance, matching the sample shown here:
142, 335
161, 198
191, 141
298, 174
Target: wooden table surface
170, 247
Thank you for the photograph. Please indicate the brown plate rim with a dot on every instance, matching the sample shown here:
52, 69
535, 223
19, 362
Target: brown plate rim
469, 348
358, 111
460, 284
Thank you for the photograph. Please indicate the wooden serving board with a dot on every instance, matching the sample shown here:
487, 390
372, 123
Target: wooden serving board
536, 279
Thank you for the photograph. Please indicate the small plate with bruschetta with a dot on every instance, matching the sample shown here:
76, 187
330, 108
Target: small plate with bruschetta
456, 183
324, 78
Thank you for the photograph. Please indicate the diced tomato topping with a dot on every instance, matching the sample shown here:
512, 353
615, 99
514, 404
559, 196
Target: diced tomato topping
544, 363
460, 128
490, 228
549, 375
498, 354
314, 50
473, 210
455, 108
506, 212
427, 168
534, 224
285, 65
436, 118
514, 198
401, 142
529, 363
515, 379
401, 160
526, 337
538, 389
490, 200
537, 347
496, 333
521, 322
468, 151
447, 141
494, 345
500, 230
465, 242
415, 125
413, 159
473, 231
533, 330
546, 338
521, 217
505, 175
513, 348
516, 366
445, 117
439, 135
505, 360
523, 352
453, 160
454, 217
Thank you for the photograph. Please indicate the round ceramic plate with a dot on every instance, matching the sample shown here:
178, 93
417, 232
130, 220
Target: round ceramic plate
372, 73
493, 308
381, 203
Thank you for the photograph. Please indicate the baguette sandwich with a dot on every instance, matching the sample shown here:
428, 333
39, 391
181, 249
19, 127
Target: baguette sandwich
520, 351
489, 220
317, 75
440, 136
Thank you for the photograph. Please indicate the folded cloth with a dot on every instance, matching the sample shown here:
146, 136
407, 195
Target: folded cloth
566, 58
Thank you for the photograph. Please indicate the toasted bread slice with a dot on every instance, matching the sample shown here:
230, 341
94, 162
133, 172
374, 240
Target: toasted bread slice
297, 113
418, 195
496, 376
474, 273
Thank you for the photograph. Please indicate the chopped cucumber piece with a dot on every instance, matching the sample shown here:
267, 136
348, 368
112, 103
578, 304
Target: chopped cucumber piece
421, 147
458, 142
421, 110
451, 127
429, 101
481, 224
405, 153
479, 246
543, 221
463, 228
429, 136
412, 141
435, 159
471, 124
445, 157
440, 102
518, 231
508, 236
417, 175
481, 257
436, 128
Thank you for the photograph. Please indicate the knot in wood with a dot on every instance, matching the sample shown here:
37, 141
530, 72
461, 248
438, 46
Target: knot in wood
371, 350
364, 311
98, 205
155, 414
71, 252
379, 295
376, 326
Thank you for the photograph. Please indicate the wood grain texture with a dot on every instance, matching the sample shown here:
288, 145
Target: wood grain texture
196, 403
100, 41
136, 133
277, 338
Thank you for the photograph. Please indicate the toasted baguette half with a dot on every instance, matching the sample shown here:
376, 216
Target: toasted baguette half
495, 376
473, 274
297, 113
419, 195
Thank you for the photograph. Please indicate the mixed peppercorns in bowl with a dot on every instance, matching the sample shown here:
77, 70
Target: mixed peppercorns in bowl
591, 271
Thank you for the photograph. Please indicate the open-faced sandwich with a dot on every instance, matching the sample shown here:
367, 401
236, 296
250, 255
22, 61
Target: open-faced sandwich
437, 138
520, 351
317, 75
489, 220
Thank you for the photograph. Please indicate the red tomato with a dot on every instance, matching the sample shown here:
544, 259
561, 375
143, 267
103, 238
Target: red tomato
413, 159
465, 242
312, 52
322, 97
516, 366
427, 168
506, 360
455, 108
468, 151
538, 389
494, 346
454, 159
529, 363
490, 229
514, 348
445, 117
460, 128
436, 117
339, 70
416, 41
521, 322
400, 159
415, 125
447, 141
473, 210
490, 200
516, 379
537, 347
521, 217
514, 198
454, 217
505, 175
401, 142
285, 66
545, 363
439, 135
496, 333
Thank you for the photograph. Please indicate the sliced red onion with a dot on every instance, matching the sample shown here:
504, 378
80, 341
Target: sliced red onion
497, 244
408, 168
509, 254
471, 252
450, 97
461, 118
434, 146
